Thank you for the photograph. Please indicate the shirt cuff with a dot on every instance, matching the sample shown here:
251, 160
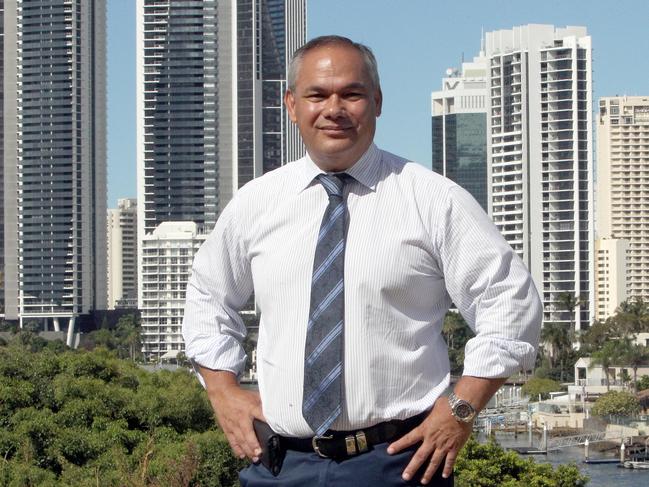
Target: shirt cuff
217, 353
492, 358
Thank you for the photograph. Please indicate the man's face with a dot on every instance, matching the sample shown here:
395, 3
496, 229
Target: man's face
335, 106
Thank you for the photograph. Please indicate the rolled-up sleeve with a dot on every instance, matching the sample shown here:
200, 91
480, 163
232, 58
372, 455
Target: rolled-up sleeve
491, 288
219, 286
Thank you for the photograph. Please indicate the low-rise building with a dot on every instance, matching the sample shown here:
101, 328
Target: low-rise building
590, 380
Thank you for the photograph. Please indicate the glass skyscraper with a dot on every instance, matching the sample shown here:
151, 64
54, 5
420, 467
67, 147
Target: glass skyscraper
211, 78
459, 124
54, 158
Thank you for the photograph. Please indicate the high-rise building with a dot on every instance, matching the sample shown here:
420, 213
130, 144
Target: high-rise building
211, 76
540, 158
623, 183
610, 275
122, 254
167, 255
459, 128
54, 158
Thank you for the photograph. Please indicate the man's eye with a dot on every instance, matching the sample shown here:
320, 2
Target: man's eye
354, 96
315, 97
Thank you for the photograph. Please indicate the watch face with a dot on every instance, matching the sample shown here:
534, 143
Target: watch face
463, 410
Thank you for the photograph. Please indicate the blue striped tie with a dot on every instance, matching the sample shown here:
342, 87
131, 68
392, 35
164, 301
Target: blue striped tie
323, 363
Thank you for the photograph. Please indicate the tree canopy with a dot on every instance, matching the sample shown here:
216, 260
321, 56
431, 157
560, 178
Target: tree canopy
456, 332
536, 387
83, 418
489, 465
616, 403
643, 383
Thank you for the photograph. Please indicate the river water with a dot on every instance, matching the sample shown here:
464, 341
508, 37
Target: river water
602, 475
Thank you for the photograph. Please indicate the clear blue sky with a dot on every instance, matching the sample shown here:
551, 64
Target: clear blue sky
414, 42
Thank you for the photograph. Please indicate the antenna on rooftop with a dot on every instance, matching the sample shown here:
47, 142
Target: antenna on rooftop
482, 41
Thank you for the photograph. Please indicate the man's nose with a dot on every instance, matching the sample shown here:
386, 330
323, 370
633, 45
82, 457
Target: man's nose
334, 106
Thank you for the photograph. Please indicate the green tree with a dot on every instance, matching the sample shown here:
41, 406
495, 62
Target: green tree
616, 403
128, 333
594, 337
632, 316
101, 338
536, 387
605, 357
87, 418
634, 356
561, 355
8, 326
123, 339
489, 465
643, 383
456, 332
32, 326
568, 302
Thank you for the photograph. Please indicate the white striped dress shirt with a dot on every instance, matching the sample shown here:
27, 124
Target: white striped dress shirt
416, 242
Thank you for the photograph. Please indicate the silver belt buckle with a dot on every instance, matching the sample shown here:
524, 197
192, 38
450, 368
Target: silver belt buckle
316, 448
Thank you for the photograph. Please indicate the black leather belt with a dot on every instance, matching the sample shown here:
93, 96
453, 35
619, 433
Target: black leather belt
343, 444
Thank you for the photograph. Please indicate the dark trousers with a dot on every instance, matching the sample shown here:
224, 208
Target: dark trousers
372, 469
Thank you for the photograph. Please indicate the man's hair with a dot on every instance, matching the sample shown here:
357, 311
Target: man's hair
366, 53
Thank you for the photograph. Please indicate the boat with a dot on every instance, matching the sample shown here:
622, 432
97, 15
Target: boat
636, 465
600, 461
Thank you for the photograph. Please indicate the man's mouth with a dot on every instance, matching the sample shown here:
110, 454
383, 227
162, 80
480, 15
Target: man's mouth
332, 128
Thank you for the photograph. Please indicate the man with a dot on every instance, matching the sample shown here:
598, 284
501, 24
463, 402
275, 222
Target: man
353, 274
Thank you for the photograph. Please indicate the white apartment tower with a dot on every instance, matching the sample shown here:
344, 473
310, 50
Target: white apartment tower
53, 167
459, 126
167, 255
540, 158
623, 183
122, 254
211, 76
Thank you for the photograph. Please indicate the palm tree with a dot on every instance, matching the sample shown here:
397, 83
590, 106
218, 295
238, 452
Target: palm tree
453, 324
596, 335
605, 357
128, 333
559, 339
132, 340
556, 336
635, 356
633, 316
568, 302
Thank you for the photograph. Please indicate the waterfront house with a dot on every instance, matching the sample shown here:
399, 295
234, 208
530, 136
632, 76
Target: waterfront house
590, 380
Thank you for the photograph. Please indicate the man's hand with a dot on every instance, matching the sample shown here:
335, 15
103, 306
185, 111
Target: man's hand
440, 435
235, 408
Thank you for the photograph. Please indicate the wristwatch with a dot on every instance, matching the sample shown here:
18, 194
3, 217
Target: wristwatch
461, 409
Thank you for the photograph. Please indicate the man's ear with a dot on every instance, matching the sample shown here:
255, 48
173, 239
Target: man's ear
289, 101
378, 100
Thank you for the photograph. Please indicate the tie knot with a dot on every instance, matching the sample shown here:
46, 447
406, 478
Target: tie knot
333, 183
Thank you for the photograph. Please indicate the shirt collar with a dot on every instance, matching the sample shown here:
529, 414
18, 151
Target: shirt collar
365, 170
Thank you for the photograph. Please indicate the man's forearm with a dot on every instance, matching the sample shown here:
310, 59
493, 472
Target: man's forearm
477, 390
217, 381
